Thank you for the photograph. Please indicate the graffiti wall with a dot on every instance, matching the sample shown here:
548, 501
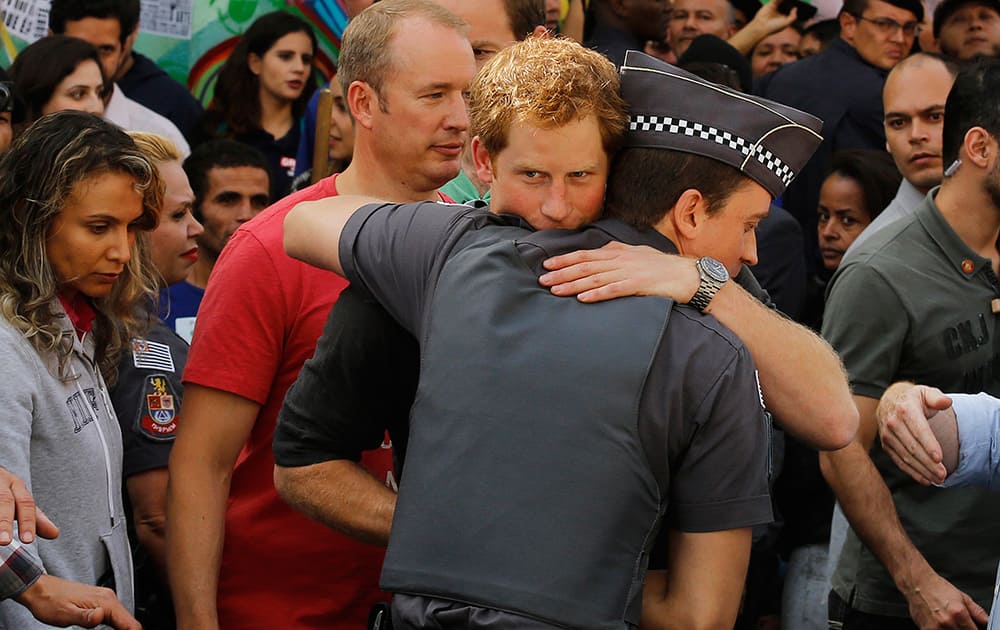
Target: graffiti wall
190, 39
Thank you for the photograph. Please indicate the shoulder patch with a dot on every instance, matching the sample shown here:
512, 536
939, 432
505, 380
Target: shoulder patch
158, 409
151, 355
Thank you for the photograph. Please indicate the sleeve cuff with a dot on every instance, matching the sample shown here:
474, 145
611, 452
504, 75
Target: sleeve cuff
978, 419
18, 571
348, 237
712, 517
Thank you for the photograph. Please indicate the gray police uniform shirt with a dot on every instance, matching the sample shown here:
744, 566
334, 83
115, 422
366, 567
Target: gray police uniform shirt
913, 303
550, 438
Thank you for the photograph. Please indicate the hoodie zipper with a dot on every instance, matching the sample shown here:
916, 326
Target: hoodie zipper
100, 432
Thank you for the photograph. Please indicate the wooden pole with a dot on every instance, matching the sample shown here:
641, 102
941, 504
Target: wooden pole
321, 146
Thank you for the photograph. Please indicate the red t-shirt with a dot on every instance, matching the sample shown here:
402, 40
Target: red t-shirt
261, 317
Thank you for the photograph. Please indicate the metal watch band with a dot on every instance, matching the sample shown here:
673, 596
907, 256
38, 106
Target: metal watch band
707, 289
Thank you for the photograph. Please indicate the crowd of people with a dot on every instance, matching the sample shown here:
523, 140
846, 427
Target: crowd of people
675, 315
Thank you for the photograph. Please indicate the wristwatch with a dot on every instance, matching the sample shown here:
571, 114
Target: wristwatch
713, 275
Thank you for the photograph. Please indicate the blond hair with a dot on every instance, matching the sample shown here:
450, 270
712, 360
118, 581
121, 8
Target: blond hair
156, 147
546, 82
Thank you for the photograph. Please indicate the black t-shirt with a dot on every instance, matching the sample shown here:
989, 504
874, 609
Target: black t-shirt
359, 384
280, 154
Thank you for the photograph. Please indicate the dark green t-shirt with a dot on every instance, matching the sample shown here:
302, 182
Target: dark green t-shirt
913, 304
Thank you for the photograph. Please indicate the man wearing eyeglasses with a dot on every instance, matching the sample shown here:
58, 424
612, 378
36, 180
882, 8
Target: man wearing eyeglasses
842, 85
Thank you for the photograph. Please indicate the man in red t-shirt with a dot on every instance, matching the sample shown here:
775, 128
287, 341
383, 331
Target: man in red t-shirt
238, 557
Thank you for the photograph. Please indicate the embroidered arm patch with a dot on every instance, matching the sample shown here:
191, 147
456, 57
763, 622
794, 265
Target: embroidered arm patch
157, 417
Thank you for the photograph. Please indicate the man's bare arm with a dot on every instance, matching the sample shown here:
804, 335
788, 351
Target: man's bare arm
868, 505
766, 22
216, 426
801, 377
703, 582
312, 229
342, 495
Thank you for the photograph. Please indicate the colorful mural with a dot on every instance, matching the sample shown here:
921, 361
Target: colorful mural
190, 39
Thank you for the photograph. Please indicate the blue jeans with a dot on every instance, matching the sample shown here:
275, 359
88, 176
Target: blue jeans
804, 600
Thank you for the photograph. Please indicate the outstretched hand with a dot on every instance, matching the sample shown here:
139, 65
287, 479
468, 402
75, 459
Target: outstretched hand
60, 602
906, 436
619, 270
17, 505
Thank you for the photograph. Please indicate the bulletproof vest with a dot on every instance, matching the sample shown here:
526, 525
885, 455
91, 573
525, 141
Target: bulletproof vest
527, 488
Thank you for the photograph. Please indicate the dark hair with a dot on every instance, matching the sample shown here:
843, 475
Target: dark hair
219, 154
237, 96
37, 176
718, 73
39, 68
524, 16
644, 183
825, 31
875, 173
946, 9
711, 49
857, 7
972, 102
125, 11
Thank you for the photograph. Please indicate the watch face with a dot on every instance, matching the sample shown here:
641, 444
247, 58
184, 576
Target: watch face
716, 270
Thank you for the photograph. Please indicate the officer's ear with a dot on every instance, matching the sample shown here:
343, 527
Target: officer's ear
689, 213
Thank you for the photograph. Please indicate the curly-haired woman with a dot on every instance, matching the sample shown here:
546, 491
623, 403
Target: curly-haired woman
75, 195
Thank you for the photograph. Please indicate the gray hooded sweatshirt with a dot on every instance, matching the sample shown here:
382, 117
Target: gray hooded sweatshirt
61, 436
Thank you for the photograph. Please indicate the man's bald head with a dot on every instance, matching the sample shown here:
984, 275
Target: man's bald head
913, 99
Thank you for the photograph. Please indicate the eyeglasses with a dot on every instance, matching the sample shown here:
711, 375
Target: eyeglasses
888, 26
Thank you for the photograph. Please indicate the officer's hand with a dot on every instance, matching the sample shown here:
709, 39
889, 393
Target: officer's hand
60, 602
619, 270
17, 505
907, 438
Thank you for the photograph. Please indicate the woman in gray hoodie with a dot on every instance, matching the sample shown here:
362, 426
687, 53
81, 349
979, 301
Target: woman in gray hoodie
75, 195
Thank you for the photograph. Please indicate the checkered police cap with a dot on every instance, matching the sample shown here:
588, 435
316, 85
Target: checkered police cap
673, 109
